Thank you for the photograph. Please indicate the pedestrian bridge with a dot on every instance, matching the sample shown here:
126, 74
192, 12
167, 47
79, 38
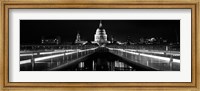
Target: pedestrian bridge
100, 59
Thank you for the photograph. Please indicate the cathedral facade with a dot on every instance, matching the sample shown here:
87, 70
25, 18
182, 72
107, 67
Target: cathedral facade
100, 36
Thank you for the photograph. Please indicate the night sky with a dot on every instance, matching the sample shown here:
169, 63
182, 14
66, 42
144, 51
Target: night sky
31, 31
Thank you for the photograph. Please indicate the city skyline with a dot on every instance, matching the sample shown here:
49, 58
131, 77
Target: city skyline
88, 45
31, 31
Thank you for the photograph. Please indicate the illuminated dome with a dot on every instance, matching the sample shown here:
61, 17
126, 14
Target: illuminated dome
100, 35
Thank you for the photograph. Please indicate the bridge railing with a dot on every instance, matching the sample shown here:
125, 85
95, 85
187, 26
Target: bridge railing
148, 47
49, 59
54, 47
159, 62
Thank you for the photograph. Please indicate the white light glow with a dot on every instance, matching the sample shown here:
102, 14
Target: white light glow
53, 56
147, 55
25, 61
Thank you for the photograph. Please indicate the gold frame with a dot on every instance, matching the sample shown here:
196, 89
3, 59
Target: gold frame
183, 86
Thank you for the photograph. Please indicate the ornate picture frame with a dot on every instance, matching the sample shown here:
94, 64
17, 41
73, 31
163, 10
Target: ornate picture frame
112, 4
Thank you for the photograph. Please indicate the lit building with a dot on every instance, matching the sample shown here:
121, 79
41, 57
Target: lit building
56, 40
100, 36
112, 39
142, 41
78, 40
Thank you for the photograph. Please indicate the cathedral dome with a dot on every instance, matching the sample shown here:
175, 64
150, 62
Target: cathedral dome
100, 35
100, 31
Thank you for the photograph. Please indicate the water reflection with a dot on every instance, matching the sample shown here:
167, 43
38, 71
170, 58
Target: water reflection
98, 65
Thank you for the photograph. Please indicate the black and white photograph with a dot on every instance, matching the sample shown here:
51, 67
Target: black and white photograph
99, 45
